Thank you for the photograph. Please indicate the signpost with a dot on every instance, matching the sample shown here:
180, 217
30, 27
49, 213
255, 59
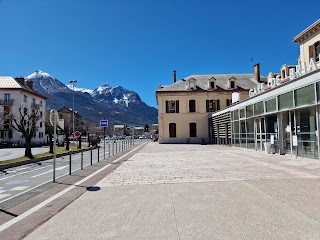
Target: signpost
104, 123
54, 118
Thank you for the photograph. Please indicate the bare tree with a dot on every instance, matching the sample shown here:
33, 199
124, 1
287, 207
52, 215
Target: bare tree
26, 124
49, 131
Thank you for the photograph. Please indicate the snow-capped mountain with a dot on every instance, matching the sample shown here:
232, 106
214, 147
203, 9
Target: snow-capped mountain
117, 104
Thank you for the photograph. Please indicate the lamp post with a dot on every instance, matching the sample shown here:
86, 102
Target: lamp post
73, 82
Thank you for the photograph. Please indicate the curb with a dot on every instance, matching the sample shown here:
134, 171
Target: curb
35, 160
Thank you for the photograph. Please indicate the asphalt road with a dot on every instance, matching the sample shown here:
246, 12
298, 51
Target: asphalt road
11, 153
18, 180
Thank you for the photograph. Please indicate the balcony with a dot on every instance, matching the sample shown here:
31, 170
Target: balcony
6, 102
33, 105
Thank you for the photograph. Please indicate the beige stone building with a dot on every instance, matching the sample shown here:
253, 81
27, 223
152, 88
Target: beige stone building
67, 115
183, 106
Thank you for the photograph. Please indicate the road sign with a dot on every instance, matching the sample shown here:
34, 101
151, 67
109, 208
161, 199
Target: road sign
103, 123
77, 134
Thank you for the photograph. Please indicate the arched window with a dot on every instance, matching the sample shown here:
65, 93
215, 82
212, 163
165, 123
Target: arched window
193, 129
172, 130
192, 105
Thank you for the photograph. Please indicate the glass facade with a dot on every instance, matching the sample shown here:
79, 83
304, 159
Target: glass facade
273, 124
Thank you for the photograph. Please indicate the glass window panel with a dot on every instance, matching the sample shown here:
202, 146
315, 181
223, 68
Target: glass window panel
249, 111
235, 115
286, 101
242, 113
271, 105
258, 108
305, 96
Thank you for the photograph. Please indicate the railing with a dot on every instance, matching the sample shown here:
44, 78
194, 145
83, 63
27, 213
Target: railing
6, 102
34, 105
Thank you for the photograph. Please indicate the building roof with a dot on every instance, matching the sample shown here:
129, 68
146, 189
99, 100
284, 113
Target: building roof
242, 82
7, 82
307, 31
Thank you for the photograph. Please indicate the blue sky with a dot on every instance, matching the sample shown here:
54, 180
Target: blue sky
138, 43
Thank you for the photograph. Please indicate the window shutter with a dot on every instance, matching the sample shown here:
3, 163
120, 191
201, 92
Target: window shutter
218, 104
310, 52
167, 106
177, 106
207, 105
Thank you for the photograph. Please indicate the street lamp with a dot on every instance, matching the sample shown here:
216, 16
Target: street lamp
73, 82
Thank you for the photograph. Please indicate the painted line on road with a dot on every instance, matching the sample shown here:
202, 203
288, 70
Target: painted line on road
54, 197
30, 189
42, 174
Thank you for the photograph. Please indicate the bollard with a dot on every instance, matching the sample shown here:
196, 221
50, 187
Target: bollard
109, 149
70, 163
81, 159
98, 154
116, 147
91, 155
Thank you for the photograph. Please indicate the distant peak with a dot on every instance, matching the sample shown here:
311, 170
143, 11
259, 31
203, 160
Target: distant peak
38, 73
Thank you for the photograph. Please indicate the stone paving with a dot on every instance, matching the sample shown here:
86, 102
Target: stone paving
161, 164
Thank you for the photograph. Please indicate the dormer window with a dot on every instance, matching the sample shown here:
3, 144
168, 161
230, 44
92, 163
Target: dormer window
212, 83
232, 83
191, 84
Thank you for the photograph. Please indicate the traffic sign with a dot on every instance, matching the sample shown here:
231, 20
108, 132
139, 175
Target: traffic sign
77, 134
103, 123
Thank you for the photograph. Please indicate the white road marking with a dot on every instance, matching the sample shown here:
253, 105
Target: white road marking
19, 188
19, 169
42, 174
2, 191
4, 195
44, 203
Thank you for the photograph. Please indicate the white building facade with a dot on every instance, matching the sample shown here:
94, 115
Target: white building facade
17, 94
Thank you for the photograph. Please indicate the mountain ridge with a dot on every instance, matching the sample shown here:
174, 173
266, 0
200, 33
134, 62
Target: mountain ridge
117, 104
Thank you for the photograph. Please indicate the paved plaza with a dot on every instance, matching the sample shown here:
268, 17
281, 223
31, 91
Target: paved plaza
196, 192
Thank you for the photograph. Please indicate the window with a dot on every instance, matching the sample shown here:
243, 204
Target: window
212, 84
314, 51
228, 102
271, 105
41, 124
192, 105
172, 130
305, 96
40, 134
5, 134
7, 97
33, 101
25, 98
285, 101
212, 105
41, 103
317, 50
232, 84
193, 129
172, 106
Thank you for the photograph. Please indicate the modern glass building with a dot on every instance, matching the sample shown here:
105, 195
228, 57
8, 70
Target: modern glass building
285, 118
282, 115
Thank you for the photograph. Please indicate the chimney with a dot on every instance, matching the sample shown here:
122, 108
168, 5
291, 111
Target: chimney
30, 84
20, 80
174, 76
256, 72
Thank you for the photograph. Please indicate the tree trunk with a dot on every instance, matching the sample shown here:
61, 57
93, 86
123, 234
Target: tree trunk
28, 152
51, 143
79, 139
67, 143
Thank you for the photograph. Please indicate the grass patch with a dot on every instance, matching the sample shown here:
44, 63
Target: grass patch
59, 150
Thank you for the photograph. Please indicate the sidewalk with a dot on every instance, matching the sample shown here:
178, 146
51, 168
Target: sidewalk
196, 192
